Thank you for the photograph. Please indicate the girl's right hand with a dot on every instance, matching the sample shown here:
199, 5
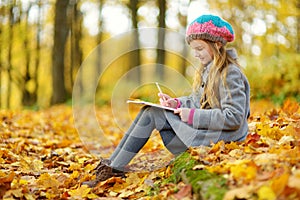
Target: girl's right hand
166, 100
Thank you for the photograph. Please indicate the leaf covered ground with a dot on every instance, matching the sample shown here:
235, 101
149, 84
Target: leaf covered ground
43, 157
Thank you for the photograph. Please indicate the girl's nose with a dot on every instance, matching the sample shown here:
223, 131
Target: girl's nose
196, 53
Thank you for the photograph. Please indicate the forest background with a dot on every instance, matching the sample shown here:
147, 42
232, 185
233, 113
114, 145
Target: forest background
105, 51
44, 42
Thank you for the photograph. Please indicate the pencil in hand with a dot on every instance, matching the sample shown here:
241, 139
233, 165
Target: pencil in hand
160, 91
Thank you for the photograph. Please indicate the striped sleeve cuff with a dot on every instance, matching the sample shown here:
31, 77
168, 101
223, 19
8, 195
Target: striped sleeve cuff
191, 116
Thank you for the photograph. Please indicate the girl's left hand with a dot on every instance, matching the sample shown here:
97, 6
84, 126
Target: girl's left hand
183, 113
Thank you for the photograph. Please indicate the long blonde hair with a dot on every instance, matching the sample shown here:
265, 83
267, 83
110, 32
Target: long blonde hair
217, 73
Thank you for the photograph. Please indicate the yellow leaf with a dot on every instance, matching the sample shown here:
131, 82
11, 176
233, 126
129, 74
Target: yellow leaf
80, 192
218, 147
266, 193
245, 170
88, 168
132, 178
126, 194
50, 194
23, 182
17, 193
47, 181
74, 175
29, 196
74, 166
113, 194
31, 165
112, 180
118, 187
232, 146
92, 196
82, 160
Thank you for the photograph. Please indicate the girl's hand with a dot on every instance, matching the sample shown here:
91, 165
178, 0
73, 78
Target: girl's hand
183, 113
166, 100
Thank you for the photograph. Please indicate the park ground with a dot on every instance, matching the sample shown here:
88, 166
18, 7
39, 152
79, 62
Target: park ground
42, 156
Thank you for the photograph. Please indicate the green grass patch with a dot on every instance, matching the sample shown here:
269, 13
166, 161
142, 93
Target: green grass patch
206, 185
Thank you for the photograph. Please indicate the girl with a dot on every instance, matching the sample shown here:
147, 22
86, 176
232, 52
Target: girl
217, 109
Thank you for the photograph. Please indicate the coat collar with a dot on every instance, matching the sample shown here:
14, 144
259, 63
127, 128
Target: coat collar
232, 52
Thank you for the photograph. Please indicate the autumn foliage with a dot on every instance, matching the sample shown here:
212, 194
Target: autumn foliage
43, 157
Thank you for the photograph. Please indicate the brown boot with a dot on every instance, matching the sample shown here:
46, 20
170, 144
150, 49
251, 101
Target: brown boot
103, 172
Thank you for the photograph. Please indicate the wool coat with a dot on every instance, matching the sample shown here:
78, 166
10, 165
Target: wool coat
227, 122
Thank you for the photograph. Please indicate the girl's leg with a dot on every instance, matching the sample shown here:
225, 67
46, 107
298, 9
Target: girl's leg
172, 141
135, 138
125, 137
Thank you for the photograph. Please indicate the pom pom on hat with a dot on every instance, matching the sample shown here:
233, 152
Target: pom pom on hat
210, 27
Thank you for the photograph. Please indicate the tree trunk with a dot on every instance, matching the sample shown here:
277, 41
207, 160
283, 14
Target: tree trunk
1, 64
135, 59
184, 53
76, 51
28, 98
38, 50
98, 68
59, 94
160, 57
9, 56
298, 26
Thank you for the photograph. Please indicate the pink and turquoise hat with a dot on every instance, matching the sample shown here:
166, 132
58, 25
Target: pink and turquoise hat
210, 27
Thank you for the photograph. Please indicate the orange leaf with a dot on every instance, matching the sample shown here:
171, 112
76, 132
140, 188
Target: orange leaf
8, 178
220, 146
290, 106
279, 183
252, 138
5, 183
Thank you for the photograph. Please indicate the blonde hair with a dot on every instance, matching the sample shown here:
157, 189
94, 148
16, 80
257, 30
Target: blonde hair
217, 73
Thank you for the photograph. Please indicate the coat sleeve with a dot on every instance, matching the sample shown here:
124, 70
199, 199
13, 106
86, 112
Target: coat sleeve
233, 101
185, 101
189, 101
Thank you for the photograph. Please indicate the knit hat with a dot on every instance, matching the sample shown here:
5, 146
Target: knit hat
210, 27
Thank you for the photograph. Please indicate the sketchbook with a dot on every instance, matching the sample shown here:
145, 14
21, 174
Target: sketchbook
138, 101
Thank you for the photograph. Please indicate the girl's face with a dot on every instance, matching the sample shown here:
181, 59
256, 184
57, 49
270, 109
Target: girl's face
202, 51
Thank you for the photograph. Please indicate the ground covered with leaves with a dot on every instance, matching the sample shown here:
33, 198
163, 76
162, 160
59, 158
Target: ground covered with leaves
43, 157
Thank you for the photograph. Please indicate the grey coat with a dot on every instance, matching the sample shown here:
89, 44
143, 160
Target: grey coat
228, 123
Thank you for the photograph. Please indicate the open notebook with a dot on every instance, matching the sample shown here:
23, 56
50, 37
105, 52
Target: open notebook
138, 101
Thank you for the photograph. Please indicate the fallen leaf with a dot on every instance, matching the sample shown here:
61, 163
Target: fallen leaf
5, 182
245, 170
294, 180
279, 183
81, 192
266, 193
49, 159
185, 191
244, 192
47, 181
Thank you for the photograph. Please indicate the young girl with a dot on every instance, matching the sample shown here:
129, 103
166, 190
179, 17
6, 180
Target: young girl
217, 109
